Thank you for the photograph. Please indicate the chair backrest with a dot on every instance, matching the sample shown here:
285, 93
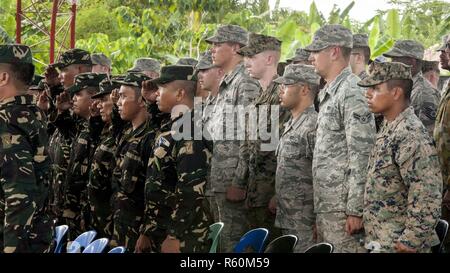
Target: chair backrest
60, 232
321, 248
96, 246
118, 249
282, 244
441, 230
86, 238
74, 247
214, 233
254, 238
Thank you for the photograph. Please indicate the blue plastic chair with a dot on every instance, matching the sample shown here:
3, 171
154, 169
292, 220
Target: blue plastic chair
60, 231
85, 239
74, 247
255, 239
118, 249
96, 246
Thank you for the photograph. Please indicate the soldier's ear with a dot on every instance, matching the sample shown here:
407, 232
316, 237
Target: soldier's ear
4, 78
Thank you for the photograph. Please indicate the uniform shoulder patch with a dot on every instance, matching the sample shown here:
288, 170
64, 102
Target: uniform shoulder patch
363, 118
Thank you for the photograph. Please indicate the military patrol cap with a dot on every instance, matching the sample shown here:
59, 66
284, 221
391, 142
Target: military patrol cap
430, 66
331, 35
108, 85
383, 72
299, 73
301, 55
172, 73
15, 54
100, 59
73, 56
36, 80
40, 86
145, 64
258, 43
205, 61
187, 61
85, 80
229, 33
406, 48
360, 40
134, 79
444, 43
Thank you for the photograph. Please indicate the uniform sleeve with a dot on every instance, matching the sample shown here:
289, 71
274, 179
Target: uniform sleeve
425, 105
359, 125
419, 169
192, 167
248, 92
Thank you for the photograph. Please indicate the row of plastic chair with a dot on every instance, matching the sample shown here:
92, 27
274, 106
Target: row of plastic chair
256, 239
83, 243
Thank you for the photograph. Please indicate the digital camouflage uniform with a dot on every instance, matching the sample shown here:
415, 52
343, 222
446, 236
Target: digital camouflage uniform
25, 225
424, 97
236, 89
403, 192
294, 183
76, 207
344, 138
301, 57
258, 173
133, 152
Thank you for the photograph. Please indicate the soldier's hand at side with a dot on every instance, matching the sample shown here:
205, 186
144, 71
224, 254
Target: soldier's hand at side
353, 224
51, 76
63, 102
95, 111
273, 205
170, 245
115, 96
235, 194
143, 244
43, 101
401, 248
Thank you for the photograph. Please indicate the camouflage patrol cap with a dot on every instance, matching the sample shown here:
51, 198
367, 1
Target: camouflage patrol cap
85, 80
406, 48
15, 54
331, 35
134, 79
205, 61
383, 72
299, 73
444, 43
301, 55
145, 64
100, 59
40, 86
258, 43
73, 56
187, 61
172, 73
430, 66
360, 40
108, 85
229, 33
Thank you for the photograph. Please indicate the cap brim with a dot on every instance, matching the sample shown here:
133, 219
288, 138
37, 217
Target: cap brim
74, 89
285, 81
369, 82
442, 48
162, 80
314, 47
215, 39
101, 94
247, 51
126, 83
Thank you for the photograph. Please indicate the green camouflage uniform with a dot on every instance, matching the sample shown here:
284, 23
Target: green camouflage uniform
403, 192
25, 225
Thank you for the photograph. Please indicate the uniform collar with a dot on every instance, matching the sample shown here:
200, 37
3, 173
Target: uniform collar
390, 126
20, 100
230, 77
295, 123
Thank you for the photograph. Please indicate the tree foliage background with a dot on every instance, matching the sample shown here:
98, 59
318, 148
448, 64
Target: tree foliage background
169, 29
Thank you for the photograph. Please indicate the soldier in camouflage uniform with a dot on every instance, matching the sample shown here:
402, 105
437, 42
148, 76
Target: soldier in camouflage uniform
70, 64
294, 183
344, 138
101, 63
424, 98
177, 214
133, 152
360, 55
209, 78
147, 66
103, 162
431, 72
442, 140
403, 192
25, 225
76, 208
301, 57
187, 61
261, 59
444, 61
237, 89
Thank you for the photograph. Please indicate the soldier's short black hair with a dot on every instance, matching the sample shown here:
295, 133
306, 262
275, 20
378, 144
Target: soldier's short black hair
21, 72
346, 51
405, 85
